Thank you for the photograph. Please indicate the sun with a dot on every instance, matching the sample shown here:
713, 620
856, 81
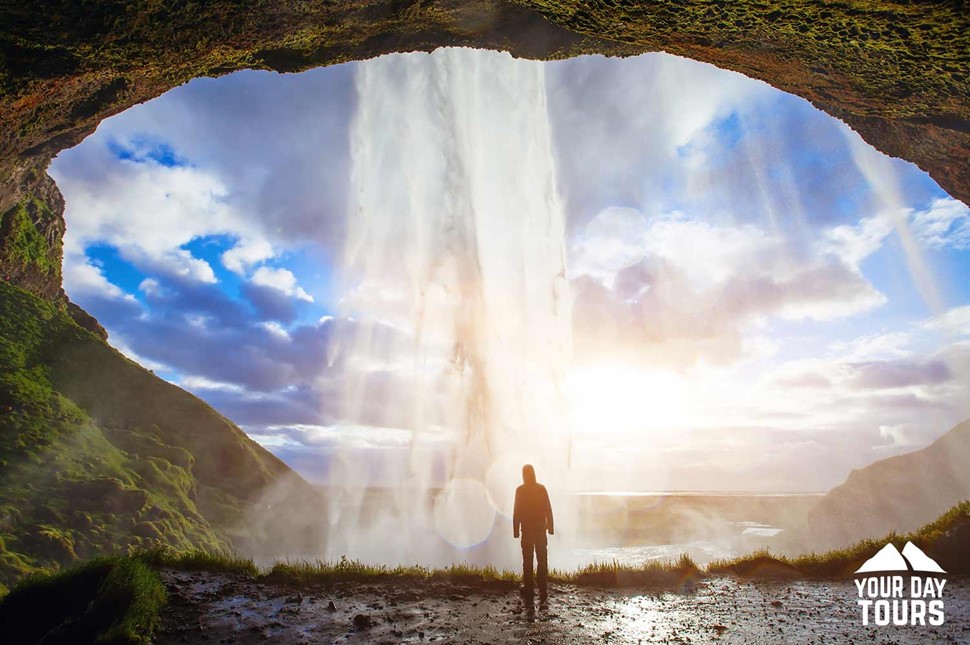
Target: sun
610, 400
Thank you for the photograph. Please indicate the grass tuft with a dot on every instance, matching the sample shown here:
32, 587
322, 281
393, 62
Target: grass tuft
198, 560
344, 570
677, 574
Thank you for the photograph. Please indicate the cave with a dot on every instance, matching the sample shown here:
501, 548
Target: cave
895, 72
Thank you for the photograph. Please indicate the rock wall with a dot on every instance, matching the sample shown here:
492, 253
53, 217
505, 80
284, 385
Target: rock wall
31, 235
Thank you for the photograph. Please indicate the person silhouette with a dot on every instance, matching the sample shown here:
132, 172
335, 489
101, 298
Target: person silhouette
532, 517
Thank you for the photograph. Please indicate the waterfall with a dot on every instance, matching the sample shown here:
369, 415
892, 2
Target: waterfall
455, 280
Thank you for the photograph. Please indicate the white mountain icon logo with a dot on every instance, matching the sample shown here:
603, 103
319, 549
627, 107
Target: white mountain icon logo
890, 559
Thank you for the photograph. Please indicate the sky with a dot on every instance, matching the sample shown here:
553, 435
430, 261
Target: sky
760, 301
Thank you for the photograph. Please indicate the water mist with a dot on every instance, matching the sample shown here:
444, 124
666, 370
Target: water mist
456, 283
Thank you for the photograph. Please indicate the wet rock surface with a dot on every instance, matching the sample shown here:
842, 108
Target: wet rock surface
228, 608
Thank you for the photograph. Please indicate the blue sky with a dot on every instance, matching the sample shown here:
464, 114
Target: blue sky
722, 237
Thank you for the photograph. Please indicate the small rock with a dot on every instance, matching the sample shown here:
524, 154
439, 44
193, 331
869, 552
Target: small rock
362, 621
331, 606
776, 603
297, 599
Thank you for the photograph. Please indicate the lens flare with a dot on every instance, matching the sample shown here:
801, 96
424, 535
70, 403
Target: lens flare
463, 513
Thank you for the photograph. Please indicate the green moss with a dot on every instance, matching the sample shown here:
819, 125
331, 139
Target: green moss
100, 456
106, 600
23, 244
868, 54
66, 490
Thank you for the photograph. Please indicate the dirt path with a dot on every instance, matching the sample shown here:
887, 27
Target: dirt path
221, 608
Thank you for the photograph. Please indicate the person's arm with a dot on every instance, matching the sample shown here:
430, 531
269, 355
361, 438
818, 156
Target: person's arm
549, 523
516, 518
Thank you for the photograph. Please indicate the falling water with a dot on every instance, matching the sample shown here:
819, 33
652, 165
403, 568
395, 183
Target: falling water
456, 283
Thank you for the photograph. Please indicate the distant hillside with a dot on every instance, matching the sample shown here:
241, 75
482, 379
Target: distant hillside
98, 454
896, 494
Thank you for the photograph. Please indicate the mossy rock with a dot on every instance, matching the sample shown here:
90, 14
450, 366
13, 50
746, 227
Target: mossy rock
51, 543
13, 565
80, 520
149, 445
105, 494
9, 517
155, 513
147, 530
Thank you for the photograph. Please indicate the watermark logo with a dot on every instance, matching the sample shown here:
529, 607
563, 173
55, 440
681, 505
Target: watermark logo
901, 588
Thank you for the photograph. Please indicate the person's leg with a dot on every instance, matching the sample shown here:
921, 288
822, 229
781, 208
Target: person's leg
527, 548
542, 565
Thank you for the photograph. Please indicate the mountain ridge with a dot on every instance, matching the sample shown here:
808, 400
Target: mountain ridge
896, 494
97, 454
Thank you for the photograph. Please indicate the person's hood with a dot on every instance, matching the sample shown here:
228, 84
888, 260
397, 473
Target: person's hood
528, 474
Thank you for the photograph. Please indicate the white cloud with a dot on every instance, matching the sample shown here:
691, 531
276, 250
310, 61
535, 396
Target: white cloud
83, 278
197, 320
202, 383
358, 436
247, 254
150, 287
181, 263
854, 243
276, 329
282, 280
148, 211
875, 346
955, 322
945, 224
690, 289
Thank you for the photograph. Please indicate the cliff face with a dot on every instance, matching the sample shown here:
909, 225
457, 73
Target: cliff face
98, 454
31, 232
898, 494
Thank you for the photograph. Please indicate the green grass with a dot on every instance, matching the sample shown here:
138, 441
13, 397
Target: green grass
838, 563
198, 560
679, 573
665, 574
841, 563
114, 600
118, 599
22, 246
301, 573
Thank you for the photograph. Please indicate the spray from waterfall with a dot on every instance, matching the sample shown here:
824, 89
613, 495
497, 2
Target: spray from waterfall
456, 283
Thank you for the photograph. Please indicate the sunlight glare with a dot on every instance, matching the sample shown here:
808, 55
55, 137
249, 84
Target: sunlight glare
611, 400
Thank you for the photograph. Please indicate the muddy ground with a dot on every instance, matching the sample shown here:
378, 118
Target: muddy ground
229, 608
